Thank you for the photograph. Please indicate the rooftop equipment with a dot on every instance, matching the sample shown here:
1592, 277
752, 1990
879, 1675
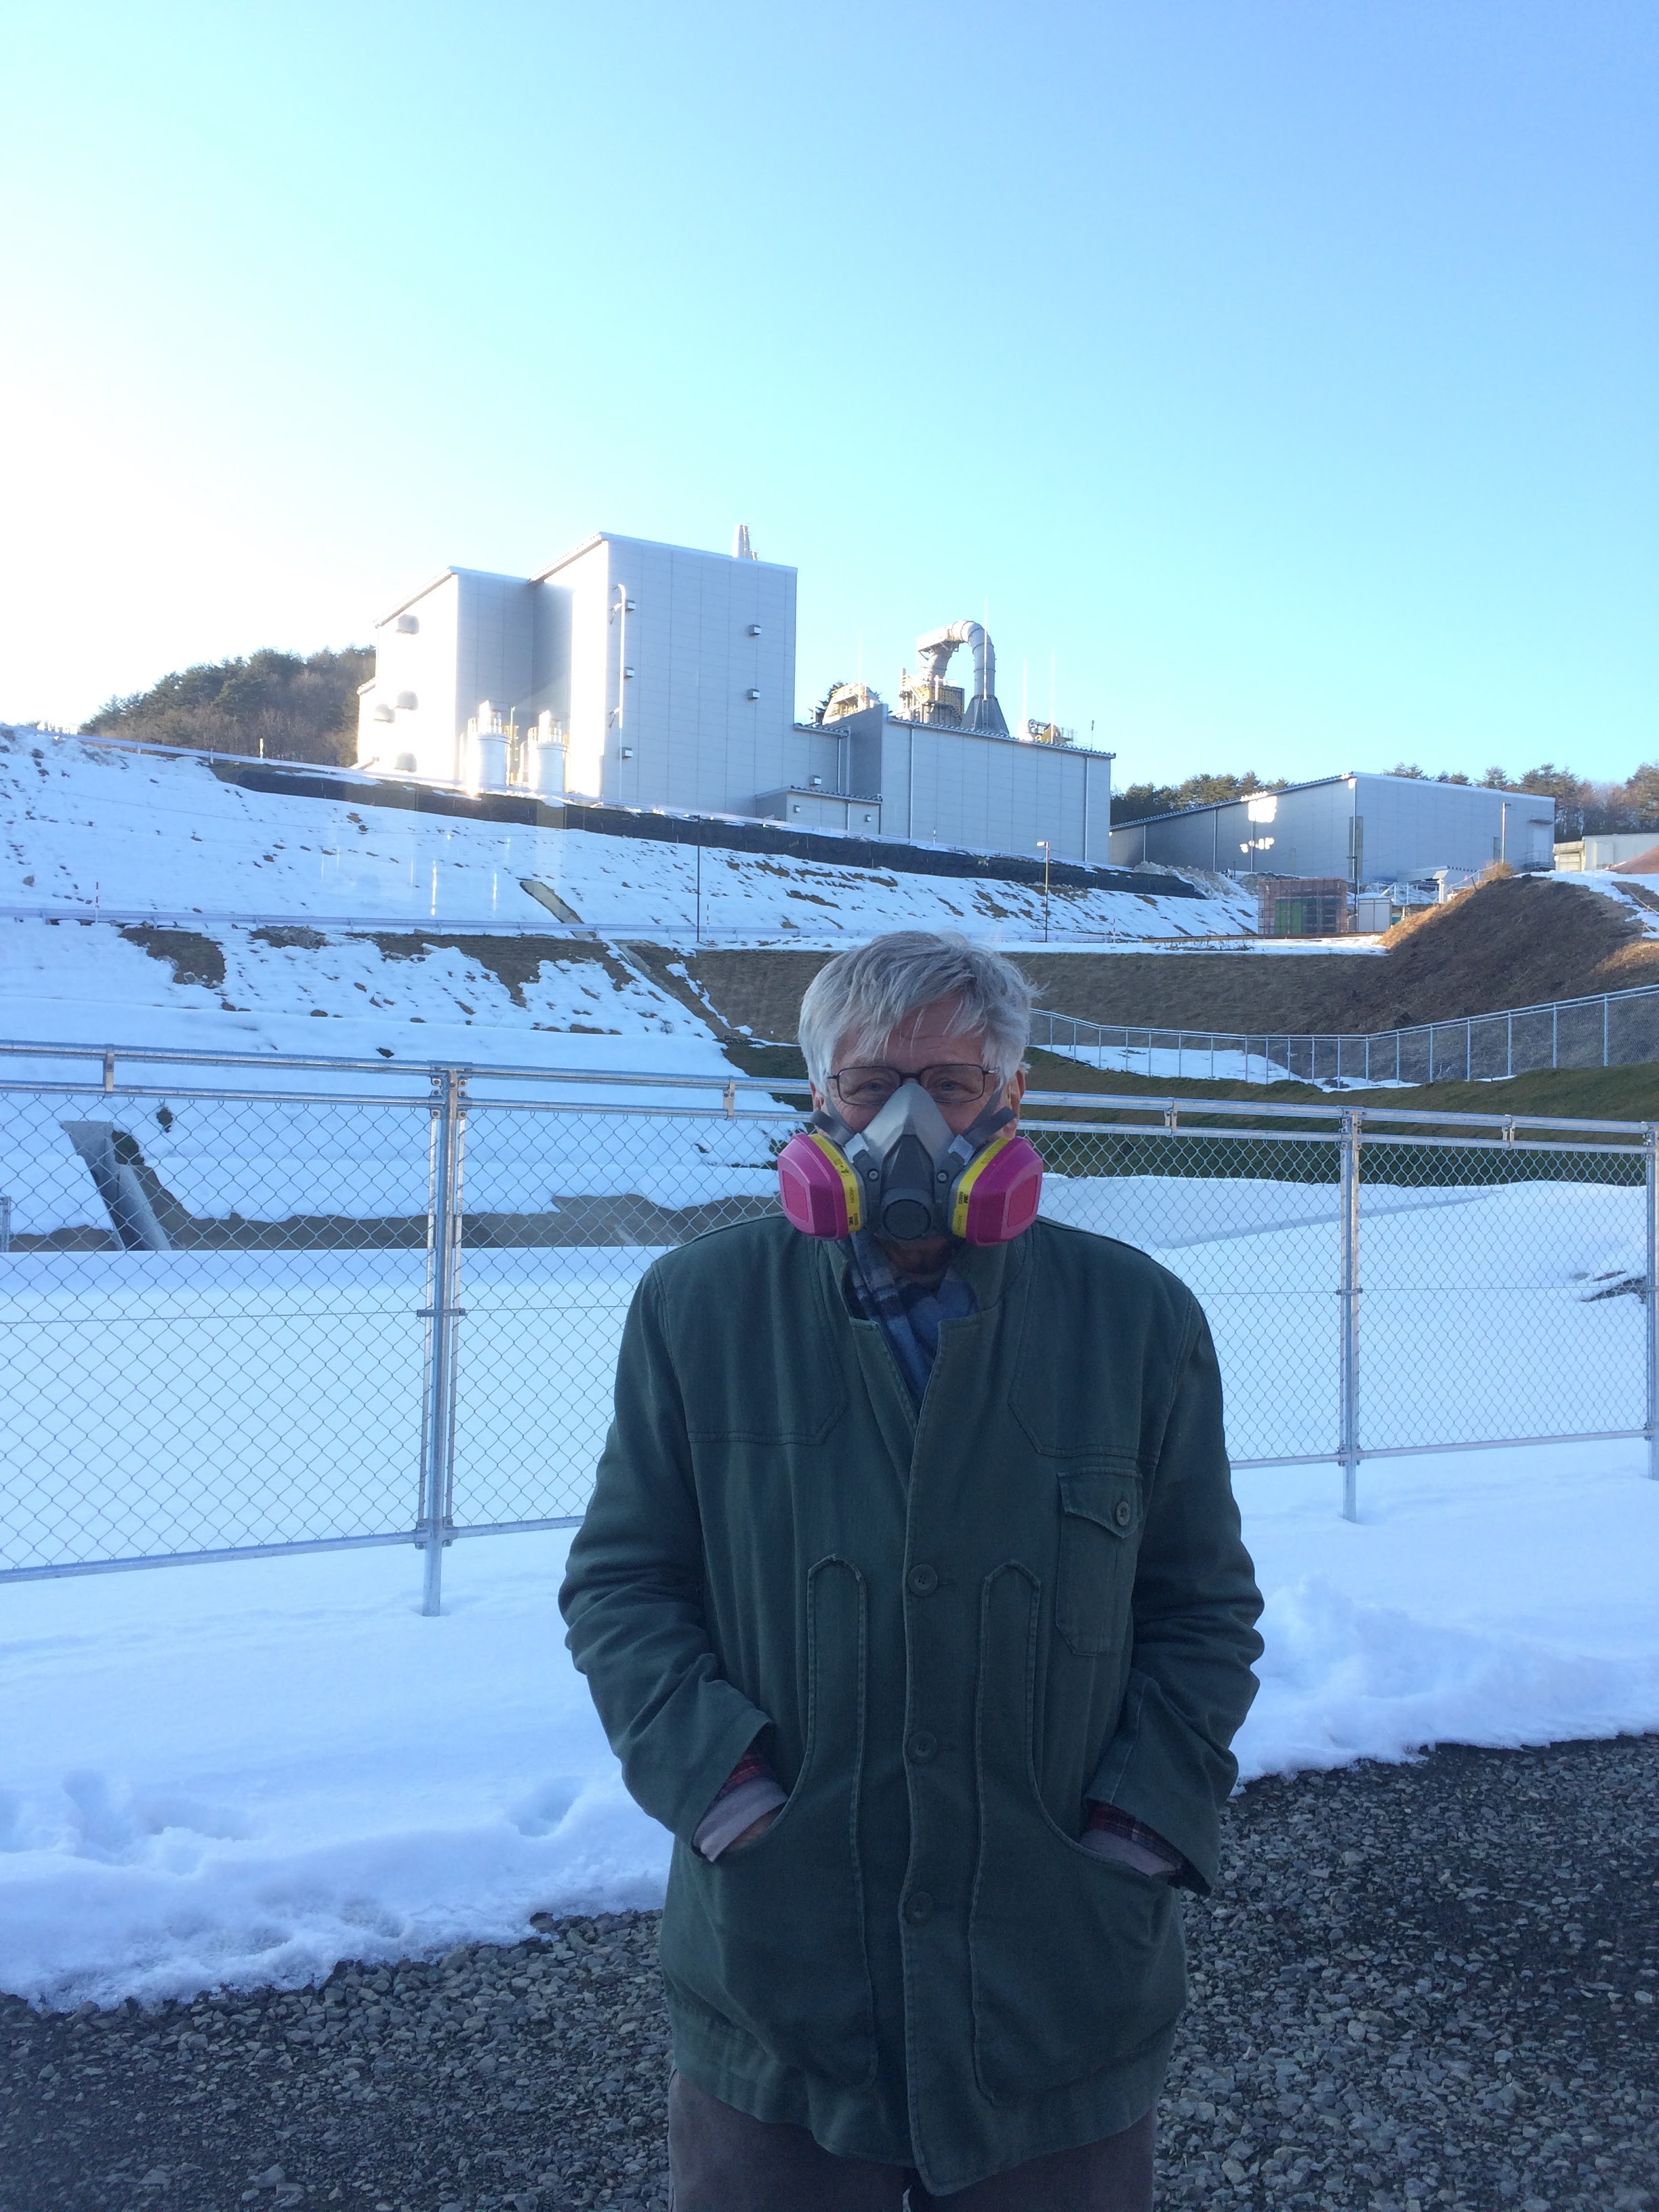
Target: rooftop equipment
849, 699
927, 697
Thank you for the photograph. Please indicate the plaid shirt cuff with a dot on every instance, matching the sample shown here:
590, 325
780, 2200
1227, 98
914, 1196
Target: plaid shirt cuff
748, 1792
1113, 1835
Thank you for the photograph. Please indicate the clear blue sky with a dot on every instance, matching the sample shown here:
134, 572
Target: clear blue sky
1285, 370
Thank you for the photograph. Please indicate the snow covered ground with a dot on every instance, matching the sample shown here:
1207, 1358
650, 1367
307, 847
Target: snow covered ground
239, 1774
94, 829
1639, 896
1170, 1064
393, 996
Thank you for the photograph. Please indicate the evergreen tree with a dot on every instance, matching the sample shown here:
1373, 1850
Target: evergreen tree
270, 702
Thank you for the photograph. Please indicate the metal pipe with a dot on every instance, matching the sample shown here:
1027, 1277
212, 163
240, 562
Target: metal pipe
435, 1519
934, 649
1350, 1312
633, 1079
131, 1214
1650, 1302
620, 611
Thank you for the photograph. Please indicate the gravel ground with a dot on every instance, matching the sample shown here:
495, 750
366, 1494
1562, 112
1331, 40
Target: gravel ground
1418, 1986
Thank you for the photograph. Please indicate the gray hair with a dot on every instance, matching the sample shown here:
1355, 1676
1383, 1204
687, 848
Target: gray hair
859, 998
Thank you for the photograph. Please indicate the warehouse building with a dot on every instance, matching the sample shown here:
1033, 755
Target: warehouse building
1370, 830
662, 677
1610, 849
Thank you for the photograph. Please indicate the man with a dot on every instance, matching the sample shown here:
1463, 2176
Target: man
912, 1598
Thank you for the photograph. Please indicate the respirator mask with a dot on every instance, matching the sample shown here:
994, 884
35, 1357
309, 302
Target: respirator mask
908, 1174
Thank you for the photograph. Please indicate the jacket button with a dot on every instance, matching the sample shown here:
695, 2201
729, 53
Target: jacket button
918, 1907
1123, 1513
923, 1581
923, 1745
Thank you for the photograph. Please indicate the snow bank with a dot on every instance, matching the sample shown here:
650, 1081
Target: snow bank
241, 1774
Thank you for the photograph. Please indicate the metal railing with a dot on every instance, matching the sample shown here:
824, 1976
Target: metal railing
1615, 1029
253, 1304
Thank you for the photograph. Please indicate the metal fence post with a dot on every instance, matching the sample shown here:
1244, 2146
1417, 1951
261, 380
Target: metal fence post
1650, 1303
441, 1313
1350, 1307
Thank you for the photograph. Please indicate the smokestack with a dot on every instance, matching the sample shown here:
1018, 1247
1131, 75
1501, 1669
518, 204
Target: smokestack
934, 652
741, 548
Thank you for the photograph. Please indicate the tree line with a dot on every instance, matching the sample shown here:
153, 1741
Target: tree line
271, 704
306, 709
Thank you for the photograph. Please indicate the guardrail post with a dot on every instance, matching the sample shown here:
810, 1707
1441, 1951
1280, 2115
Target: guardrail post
1650, 1301
435, 1521
1350, 1309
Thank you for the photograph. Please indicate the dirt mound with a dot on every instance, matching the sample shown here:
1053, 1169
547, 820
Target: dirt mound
1513, 941
758, 992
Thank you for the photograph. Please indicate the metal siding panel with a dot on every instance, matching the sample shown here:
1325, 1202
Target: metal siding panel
588, 579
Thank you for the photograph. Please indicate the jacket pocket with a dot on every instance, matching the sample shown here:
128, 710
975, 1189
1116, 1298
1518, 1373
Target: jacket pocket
1077, 1962
1100, 1516
770, 1938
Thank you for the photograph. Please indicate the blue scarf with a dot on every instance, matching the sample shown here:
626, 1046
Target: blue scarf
909, 1314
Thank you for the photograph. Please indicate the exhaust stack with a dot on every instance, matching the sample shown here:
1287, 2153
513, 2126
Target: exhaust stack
927, 697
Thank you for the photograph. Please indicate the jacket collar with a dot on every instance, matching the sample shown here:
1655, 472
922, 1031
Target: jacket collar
990, 1271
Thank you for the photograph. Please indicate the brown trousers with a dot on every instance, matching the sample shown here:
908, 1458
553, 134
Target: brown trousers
722, 2160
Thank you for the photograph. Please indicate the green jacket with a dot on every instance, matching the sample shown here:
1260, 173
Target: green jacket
947, 1630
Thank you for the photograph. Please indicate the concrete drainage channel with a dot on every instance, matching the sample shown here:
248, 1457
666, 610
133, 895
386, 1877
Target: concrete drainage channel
1418, 1987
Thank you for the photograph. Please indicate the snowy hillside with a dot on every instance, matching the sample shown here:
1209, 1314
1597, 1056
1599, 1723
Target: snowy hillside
390, 995
96, 828
1637, 895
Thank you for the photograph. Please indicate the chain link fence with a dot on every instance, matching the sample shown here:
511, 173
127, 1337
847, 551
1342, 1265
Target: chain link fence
283, 1305
1615, 1029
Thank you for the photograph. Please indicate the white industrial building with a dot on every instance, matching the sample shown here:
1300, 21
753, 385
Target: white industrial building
1368, 829
1609, 850
657, 676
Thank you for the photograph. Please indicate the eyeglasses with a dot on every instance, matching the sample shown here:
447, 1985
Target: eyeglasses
954, 1083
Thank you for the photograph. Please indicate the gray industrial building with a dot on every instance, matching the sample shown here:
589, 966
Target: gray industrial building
1368, 829
661, 676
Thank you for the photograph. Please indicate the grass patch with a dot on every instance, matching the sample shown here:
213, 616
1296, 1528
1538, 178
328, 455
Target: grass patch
1587, 1094
1600, 1094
